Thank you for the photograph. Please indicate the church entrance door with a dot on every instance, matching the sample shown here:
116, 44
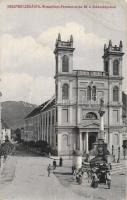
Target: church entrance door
92, 139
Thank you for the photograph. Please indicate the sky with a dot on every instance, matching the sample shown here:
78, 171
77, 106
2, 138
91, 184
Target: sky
27, 42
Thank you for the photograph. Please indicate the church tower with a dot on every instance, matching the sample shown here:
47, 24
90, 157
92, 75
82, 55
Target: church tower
63, 91
112, 57
64, 69
64, 55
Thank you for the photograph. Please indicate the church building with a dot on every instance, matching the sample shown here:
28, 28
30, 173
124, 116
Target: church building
70, 119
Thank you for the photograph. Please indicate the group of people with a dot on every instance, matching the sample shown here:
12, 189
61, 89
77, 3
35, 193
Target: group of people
99, 174
53, 167
103, 177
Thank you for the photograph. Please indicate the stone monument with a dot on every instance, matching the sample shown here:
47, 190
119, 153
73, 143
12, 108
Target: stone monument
100, 145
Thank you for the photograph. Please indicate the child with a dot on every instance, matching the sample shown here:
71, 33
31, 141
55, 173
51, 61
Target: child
49, 169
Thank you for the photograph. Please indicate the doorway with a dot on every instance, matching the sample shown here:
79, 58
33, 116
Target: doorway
91, 140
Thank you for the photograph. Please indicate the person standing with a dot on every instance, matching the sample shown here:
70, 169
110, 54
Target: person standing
95, 180
54, 164
61, 162
49, 169
108, 178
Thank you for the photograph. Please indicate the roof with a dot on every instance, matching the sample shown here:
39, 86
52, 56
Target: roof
41, 108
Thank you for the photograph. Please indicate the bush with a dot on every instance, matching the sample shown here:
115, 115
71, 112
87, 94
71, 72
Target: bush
54, 152
6, 148
25, 143
43, 145
32, 143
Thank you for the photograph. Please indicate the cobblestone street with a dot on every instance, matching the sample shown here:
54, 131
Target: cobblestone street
25, 178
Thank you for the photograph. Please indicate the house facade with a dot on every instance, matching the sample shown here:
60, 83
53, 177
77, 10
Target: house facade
6, 132
70, 120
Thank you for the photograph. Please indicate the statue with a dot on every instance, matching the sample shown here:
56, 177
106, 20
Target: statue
101, 110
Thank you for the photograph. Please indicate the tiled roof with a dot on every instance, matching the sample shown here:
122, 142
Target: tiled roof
49, 104
36, 110
43, 107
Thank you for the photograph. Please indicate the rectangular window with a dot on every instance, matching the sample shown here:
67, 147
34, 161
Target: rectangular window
115, 116
64, 115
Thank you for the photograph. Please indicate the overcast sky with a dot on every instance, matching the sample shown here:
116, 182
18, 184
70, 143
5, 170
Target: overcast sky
27, 39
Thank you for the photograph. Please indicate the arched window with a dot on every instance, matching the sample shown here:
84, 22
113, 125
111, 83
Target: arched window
94, 93
91, 115
65, 91
116, 67
106, 66
65, 64
89, 93
115, 93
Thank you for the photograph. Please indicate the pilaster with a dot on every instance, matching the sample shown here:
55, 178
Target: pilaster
87, 144
80, 141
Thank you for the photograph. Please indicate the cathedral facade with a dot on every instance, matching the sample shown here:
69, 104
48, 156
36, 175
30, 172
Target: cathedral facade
70, 120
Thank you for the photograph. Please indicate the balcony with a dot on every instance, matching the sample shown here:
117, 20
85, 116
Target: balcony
89, 73
115, 103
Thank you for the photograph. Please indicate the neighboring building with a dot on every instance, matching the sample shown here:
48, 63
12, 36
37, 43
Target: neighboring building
124, 97
6, 132
70, 120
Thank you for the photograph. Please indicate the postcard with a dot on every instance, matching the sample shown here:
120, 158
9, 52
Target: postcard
63, 99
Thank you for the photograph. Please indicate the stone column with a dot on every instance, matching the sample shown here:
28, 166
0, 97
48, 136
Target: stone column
110, 142
101, 113
70, 91
59, 91
59, 117
47, 126
120, 143
44, 126
71, 115
41, 126
59, 142
84, 141
101, 133
87, 143
51, 127
79, 114
80, 141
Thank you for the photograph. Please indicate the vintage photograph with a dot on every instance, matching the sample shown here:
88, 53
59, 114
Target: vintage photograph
63, 100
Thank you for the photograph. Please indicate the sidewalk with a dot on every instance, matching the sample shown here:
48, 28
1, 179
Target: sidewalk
8, 170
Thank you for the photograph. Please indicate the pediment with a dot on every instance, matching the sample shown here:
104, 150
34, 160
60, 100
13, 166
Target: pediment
90, 125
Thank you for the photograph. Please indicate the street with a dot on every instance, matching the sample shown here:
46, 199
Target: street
25, 178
